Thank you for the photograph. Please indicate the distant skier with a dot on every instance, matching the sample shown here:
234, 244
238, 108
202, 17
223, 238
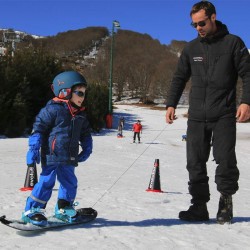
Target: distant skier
58, 130
137, 128
120, 127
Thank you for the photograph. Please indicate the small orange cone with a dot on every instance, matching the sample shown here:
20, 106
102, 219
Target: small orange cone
31, 178
155, 183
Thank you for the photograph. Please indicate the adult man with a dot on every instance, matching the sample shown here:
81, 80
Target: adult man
213, 61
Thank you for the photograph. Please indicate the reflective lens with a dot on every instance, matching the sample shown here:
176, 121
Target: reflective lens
201, 23
79, 93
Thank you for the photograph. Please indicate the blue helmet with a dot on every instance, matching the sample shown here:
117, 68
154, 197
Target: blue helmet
63, 83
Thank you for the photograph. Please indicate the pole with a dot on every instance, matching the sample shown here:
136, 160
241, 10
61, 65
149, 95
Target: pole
111, 69
109, 117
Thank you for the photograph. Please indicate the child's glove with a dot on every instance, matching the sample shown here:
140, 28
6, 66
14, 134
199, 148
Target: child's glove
33, 155
87, 145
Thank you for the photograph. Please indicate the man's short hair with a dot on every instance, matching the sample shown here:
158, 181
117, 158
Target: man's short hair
203, 5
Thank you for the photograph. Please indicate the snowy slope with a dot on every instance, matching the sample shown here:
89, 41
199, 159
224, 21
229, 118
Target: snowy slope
114, 181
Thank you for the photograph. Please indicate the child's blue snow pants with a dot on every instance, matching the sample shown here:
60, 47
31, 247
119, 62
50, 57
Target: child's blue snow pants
42, 191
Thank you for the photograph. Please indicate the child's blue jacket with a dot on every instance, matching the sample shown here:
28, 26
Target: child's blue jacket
61, 132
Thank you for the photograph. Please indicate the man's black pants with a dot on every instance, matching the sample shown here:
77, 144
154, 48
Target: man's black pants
222, 135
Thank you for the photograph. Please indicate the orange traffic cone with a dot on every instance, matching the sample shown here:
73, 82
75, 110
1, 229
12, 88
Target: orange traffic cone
155, 183
31, 178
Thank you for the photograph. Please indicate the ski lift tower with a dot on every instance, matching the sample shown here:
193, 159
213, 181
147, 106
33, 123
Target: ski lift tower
13, 38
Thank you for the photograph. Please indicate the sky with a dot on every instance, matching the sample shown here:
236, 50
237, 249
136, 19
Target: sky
114, 181
165, 20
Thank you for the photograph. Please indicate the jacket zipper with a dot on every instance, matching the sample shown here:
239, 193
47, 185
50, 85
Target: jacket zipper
206, 84
72, 131
53, 145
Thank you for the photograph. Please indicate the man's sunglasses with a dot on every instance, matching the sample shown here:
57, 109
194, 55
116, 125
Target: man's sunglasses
201, 23
79, 93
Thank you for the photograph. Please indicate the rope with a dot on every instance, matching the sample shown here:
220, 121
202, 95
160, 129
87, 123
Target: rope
114, 183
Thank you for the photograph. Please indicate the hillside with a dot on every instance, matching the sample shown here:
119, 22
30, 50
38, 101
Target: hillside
142, 66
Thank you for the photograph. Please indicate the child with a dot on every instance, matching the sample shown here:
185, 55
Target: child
137, 128
57, 130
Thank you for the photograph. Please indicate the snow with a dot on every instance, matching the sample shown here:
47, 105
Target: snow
114, 181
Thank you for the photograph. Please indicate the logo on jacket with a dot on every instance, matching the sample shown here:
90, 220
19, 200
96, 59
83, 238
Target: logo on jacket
198, 59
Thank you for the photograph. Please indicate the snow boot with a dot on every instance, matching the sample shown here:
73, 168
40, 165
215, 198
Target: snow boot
225, 211
196, 212
65, 211
35, 216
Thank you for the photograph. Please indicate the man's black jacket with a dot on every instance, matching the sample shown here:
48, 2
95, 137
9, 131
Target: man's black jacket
213, 64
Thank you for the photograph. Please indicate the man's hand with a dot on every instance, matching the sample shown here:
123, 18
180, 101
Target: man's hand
170, 115
243, 113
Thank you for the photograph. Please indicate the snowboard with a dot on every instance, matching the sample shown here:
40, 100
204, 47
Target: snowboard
86, 215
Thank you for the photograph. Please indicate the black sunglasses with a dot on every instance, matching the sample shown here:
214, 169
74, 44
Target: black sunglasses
79, 93
201, 23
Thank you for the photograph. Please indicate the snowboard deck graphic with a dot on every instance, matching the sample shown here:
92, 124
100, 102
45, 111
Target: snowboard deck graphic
86, 215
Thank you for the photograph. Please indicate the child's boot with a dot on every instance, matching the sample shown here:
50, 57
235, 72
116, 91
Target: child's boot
65, 211
35, 216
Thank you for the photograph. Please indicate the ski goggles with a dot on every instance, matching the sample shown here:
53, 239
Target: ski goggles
79, 93
64, 93
201, 23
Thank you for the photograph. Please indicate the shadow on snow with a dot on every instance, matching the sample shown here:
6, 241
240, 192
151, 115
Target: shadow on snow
129, 119
102, 223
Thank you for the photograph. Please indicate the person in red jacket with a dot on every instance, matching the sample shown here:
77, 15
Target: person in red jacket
137, 128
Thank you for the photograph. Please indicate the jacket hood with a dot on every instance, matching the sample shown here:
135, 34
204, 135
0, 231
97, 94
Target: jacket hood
72, 108
221, 32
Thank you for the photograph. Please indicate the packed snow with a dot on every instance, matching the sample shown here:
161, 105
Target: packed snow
114, 181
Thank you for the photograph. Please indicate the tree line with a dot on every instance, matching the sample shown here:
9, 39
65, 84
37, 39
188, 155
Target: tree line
142, 68
25, 81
